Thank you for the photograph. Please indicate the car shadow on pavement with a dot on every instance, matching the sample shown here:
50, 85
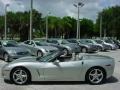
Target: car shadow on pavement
110, 80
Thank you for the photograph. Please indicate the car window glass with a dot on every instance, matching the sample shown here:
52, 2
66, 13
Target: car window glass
98, 41
48, 58
27, 42
53, 41
41, 43
64, 42
31, 43
9, 44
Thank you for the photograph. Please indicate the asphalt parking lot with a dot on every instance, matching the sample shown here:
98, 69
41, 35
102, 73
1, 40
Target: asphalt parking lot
111, 84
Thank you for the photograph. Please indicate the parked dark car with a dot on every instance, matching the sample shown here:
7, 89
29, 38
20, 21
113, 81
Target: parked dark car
85, 47
117, 42
69, 48
110, 41
105, 45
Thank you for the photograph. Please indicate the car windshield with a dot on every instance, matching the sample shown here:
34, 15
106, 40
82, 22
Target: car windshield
93, 42
38, 43
85, 42
10, 44
99, 41
64, 42
108, 41
49, 57
72, 41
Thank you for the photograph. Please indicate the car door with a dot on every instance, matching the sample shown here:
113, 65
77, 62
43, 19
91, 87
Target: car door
63, 71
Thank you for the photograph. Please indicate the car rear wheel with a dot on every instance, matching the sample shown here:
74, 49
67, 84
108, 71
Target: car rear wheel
84, 50
6, 57
20, 76
95, 76
39, 54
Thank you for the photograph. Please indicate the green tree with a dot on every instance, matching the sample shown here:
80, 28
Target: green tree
87, 28
110, 21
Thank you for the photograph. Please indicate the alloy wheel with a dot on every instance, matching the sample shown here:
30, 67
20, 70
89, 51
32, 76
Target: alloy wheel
20, 76
96, 76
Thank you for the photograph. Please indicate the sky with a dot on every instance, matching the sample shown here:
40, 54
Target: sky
60, 8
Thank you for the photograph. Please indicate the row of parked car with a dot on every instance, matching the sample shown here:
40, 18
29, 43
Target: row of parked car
10, 50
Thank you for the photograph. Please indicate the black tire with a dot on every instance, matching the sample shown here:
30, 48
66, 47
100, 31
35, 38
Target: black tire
84, 50
28, 77
95, 82
6, 57
39, 53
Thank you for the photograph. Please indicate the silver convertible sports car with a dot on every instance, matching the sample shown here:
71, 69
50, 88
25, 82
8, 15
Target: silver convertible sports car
94, 69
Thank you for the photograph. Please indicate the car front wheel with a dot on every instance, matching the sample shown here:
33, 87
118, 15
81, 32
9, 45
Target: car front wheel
95, 76
84, 50
20, 76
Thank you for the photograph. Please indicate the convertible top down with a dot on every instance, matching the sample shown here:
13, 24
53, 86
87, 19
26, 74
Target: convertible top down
53, 67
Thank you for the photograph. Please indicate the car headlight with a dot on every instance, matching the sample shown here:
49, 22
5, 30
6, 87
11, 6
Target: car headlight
12, 52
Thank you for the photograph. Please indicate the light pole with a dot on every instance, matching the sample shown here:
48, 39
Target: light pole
80, 4
6, 21
47, 25
30, 36
100, 25
104, 33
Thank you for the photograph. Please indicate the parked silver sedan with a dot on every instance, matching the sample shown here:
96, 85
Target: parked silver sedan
69, 48
10, 50
38, 48
94, 69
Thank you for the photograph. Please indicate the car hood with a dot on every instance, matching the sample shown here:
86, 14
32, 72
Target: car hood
72, 45
16, 49
49, 48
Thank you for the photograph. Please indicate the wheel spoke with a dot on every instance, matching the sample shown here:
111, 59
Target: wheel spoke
24, 76
98, 79
91, 74
20, 76
96, 71
17, 79
21, 72
93, 79
100, 74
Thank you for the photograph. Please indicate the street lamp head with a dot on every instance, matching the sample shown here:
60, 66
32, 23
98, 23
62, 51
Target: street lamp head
80, 4
75, 5
7, 5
